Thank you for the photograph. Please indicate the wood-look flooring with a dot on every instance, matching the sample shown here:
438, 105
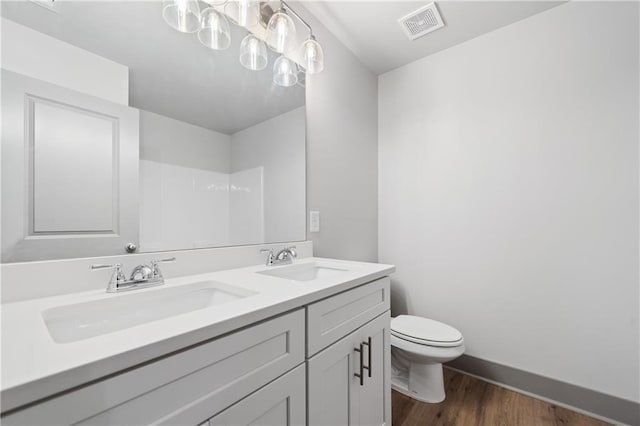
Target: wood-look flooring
473, 402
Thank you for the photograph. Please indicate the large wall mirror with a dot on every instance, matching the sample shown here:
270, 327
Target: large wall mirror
118, 129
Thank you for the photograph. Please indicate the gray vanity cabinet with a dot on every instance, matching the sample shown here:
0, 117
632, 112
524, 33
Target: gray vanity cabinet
337, 395
185, 388
257, 375
374, 397
333, 387
280, 403
348, 382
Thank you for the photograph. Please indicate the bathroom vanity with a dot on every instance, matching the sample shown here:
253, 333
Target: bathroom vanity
187, 154
306, 343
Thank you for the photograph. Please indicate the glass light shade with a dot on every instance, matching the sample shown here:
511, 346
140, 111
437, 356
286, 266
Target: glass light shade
243, 13
253, 53
313, 56
285, 72
281, 32
182, 15
215, 32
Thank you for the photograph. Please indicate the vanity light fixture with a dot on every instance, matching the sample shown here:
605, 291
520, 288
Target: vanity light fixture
311, 50
253, 53
312, 55
281, 32
244, 8
212, 26
285, 72
182, 15
214, 32
246, 12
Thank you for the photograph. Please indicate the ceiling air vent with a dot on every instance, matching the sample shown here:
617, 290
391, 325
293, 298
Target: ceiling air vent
421, 22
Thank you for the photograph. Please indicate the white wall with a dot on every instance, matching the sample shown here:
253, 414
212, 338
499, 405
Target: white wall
191, 198
184, 185
342, 156
40, 56
246, 207
509, 193
167, 140
182, 207
278, 146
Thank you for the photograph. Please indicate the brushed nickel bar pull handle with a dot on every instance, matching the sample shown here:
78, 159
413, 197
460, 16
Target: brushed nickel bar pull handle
368, 345
361, 375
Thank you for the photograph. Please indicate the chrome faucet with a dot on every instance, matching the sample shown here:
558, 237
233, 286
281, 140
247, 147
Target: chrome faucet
284, 256
141, 276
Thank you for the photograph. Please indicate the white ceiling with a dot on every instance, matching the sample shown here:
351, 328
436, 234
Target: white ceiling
371, 31
173, 75
170, 73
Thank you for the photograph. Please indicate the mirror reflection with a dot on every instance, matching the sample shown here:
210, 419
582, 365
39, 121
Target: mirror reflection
138, 133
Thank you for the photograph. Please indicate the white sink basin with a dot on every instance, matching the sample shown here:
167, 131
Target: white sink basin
80, 321
306, 271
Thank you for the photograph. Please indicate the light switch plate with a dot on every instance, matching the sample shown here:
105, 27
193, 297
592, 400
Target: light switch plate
314, 221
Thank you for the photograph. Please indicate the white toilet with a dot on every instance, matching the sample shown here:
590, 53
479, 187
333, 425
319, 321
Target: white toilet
419, 346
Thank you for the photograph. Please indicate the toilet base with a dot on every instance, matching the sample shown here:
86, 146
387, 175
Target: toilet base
402, 388
421, 381
416, 368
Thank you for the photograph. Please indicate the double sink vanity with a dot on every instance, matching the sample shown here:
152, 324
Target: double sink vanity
303, 343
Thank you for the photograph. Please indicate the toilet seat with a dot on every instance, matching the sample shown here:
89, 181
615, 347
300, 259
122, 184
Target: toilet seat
424, 331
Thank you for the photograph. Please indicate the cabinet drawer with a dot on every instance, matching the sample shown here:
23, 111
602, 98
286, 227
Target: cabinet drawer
335, 317
280, 403
186, 388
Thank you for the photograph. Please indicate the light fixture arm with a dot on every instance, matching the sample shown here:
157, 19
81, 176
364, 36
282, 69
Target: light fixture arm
294, 13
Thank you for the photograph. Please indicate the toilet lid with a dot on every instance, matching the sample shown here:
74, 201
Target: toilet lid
424, 331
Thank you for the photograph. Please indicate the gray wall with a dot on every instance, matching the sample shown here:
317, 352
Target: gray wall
509, 193
342, 160
277, 145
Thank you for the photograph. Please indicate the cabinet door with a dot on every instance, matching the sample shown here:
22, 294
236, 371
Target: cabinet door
332, 386
280, 403
375, 396
69, 172
337, 396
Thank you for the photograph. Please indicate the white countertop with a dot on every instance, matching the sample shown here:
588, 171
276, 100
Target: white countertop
34, 366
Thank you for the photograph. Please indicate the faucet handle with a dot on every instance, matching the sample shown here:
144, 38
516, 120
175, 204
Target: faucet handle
270, 257
99, 266
293, 251
155, 268
171, 259
118, 275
